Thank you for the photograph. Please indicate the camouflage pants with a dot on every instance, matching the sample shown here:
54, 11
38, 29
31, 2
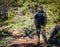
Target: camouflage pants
42, 31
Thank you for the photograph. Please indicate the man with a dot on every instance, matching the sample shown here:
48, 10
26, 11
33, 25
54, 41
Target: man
40, 21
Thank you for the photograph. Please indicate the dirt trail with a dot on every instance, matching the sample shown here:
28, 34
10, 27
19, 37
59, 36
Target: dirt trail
24, 42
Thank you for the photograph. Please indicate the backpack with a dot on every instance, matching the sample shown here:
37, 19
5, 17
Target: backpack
39, 17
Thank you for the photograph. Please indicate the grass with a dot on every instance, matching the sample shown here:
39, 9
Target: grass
4, 38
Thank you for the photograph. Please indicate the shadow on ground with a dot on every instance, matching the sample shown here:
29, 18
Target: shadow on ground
25, 45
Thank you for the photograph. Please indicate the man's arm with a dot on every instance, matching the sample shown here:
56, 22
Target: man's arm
45, 18
35, 20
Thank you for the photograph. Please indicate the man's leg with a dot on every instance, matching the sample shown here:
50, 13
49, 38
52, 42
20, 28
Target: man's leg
38, 34
38, 28
44, 34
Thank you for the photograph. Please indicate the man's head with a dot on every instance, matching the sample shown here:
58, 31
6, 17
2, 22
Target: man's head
40, 8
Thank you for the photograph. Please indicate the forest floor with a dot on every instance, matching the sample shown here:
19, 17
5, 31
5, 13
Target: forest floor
21, 41
25, 42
